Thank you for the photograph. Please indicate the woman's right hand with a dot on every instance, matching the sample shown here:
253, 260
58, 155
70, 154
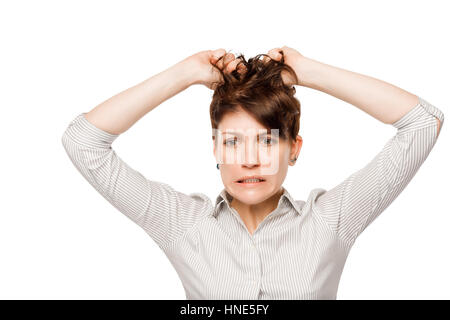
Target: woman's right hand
204, 71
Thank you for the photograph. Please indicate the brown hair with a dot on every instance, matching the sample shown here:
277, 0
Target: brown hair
261, 92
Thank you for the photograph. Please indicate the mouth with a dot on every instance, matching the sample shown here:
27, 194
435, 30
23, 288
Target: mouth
251, 181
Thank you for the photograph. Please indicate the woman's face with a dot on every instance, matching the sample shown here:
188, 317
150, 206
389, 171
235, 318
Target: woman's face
245, 148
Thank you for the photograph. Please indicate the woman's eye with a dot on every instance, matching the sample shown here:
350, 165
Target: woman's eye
230, 142
268, 141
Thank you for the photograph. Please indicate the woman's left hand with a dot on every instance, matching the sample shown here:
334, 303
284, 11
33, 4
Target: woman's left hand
292, 58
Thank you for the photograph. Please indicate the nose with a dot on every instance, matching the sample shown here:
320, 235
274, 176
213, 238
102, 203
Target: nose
251, 158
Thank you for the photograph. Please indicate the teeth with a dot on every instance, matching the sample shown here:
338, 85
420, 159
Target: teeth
252, 180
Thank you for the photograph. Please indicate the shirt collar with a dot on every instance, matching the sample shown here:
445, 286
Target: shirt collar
225, 198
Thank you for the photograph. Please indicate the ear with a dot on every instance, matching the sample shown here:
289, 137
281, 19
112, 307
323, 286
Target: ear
296, 147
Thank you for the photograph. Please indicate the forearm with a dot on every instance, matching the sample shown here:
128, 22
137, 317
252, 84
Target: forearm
378, 98
120, 112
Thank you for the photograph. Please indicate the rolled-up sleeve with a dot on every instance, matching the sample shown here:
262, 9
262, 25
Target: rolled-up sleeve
352, 205
163, 212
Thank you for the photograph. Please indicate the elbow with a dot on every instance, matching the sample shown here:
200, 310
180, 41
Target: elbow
66, 142
438, 126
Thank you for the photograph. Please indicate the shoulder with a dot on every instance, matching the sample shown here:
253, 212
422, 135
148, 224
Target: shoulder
311, 201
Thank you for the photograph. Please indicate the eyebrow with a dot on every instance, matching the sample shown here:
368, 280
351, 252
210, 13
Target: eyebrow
240, 135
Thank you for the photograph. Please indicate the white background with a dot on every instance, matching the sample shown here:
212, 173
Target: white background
59, 239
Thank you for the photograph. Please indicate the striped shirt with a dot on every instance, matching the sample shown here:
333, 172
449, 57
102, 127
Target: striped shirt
297, 252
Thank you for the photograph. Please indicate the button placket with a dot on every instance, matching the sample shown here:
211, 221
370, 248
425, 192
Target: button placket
256, 281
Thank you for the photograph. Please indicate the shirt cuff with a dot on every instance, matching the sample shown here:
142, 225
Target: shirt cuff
419, 116
81, 131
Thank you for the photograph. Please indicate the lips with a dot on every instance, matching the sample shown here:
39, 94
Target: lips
241, 180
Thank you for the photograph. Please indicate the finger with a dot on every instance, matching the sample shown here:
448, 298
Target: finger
275, 54
216, 54
225, 59
229, 57
232, 65
241, 68
220, 62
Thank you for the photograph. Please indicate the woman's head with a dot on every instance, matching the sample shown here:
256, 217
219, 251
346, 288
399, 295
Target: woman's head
264, 116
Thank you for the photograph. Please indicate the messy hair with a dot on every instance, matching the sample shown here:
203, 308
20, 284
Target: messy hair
261, 92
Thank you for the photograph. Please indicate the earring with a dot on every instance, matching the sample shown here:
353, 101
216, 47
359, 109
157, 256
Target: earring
293, 160
217, 166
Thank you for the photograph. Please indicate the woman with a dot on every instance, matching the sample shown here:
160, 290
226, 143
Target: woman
256, 241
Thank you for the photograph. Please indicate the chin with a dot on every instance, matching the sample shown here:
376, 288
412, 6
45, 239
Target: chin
252, 194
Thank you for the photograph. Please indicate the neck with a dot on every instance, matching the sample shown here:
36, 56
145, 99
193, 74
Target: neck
253, 214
